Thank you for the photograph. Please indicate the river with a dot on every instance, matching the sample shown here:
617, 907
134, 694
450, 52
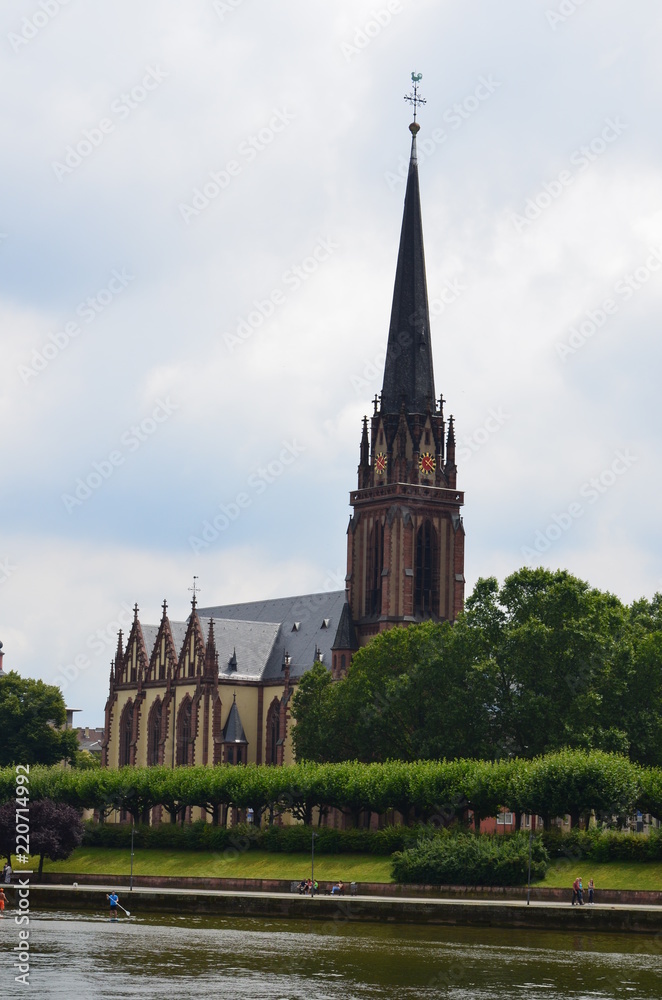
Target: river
195, 958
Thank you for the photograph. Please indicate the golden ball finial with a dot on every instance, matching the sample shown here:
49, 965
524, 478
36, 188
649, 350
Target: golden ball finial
414, 128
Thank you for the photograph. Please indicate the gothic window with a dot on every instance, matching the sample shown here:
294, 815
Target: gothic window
229, 755
126, 734
162, 669
426, 588
133, 667
342, 662
154, 733
184, 733
375, 567
273, 732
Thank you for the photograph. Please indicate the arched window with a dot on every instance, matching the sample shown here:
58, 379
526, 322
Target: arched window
273, 732
184, 734
154, 733
126, 734
375, 567
342, 663
426, 580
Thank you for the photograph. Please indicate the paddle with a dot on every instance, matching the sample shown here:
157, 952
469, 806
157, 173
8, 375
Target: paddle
120, 906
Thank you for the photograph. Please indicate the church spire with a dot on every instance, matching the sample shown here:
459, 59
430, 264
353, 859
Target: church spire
408, 374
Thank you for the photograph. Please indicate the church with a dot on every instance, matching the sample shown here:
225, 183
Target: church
216, 688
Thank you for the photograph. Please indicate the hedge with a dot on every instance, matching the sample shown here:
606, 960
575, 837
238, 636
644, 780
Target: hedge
201, 836
438, 792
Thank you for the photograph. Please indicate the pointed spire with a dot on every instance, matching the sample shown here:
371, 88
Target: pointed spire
408, 373
450, 443
165, 610
365, 444
135, 612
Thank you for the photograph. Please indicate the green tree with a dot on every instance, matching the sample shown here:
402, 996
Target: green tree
31, 713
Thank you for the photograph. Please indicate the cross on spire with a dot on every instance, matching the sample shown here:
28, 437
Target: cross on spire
414, 98
195, 590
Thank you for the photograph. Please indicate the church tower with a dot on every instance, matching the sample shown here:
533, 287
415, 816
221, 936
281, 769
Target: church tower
405, 553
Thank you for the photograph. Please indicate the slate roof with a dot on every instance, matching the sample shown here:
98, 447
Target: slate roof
346, 635
408, 370
290, 624
252, 638
233, 731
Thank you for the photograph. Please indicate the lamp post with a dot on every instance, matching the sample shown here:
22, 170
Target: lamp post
133, 827
528, 886
312, 865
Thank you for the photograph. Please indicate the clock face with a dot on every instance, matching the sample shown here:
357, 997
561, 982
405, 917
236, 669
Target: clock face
380, 463
427, 463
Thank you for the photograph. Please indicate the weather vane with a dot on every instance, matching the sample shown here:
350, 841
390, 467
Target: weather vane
414, 98
195, 589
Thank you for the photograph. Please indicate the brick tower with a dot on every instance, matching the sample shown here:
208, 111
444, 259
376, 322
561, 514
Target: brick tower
405, 552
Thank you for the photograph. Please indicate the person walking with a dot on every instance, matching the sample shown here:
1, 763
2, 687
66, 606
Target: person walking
575, 891
3, 900
580, 893
591, 888
6, 874
113, 900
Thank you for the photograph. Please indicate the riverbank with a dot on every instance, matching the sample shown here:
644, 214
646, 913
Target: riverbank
265, 865
504, 913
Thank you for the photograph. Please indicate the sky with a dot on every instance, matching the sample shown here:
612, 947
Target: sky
198, 237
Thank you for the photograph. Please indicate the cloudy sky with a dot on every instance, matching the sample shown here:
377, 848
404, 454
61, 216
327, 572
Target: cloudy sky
201, 213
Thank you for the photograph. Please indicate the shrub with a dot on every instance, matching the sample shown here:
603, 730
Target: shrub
467, 859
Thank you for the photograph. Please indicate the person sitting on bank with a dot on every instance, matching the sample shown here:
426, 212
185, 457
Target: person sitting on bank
337, 888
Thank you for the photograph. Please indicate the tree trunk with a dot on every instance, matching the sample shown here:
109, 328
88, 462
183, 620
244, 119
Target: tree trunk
41, 867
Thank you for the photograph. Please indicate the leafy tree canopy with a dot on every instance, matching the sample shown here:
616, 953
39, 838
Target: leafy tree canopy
30, 712
542, 663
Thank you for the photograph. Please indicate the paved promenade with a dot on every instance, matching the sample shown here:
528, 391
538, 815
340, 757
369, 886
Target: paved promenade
613, 917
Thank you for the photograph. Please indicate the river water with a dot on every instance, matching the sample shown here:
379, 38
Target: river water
195, 958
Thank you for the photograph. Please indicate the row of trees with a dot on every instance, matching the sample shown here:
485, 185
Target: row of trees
542, 663
441, 792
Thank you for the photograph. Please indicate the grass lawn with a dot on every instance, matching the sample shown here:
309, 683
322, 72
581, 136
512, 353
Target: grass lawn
348, 867
249, 864
614, 875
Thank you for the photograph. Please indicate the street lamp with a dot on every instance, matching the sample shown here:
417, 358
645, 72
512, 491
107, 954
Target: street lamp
312, 865
528, 886
133, 827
